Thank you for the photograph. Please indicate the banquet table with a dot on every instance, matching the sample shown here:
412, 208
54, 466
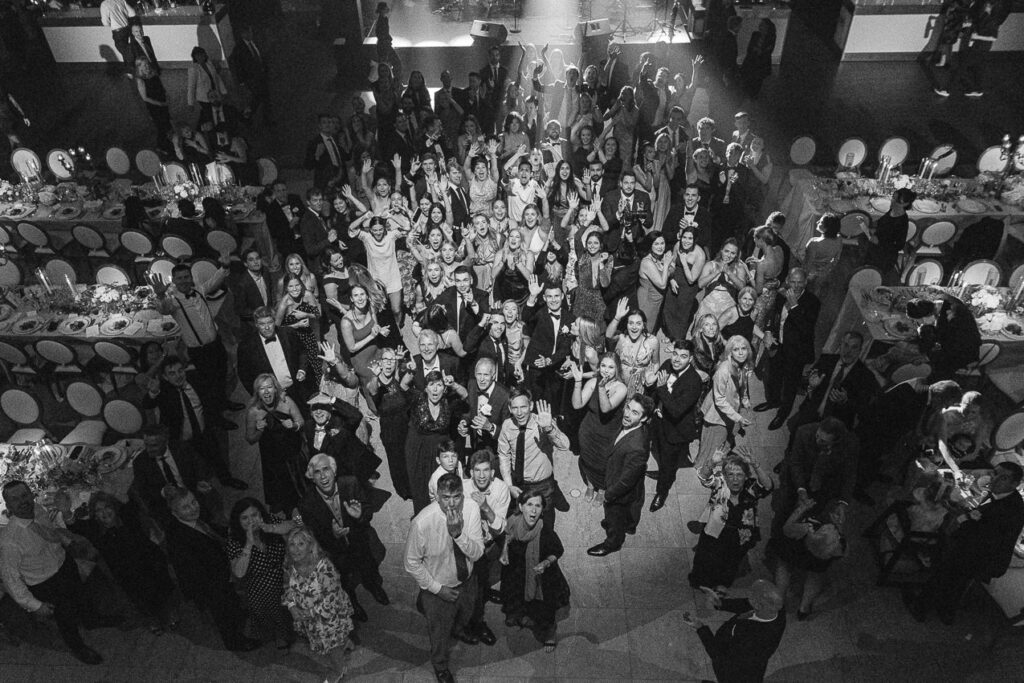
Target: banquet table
863, 313
805, 204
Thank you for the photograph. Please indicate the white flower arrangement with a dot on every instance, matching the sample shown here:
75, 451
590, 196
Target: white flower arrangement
986, 298
8, 192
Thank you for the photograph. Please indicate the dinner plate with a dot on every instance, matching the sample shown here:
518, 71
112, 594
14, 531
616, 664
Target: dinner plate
27, 326
992, 160
242, 211
115, 325
881, 204
6, 311
1013, 330
74, 325
852, 152
162, 328
20, 211
899, 328
114, 213
926, 206
109, 459
67, 213
882, 295
969, 205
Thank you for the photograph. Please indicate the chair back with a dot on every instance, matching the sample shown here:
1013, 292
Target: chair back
91, 239
852, 152
911, 230
56, 352
865, 278
85, 398
15, 358
982, 272
268, 170
910, 371
113, 353
176, 247
20, 406
853, 223
1010, 432
60, 272
110, 274
987, 352
137, 243
896, 148
148, 162
10, 274
33, 235
945, 158
175, 172
938, 233
926, 272
162, 267
1016, 277
118, 161
222, 242
203, 269
122, 417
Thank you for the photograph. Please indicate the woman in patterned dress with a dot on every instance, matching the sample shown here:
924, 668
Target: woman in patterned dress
299, 310
638, 351
313, 594
256, 551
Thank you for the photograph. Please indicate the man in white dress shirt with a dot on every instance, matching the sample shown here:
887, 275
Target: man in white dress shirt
494, 498
119, 16
445, 539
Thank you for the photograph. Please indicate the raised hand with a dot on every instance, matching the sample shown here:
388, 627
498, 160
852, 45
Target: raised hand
544, 415
414, 166
327, 353
368, 165
453, 519
576, 371
492, 147
157, 282
346, 190
536, 287
622, 308
574, 200
396, 161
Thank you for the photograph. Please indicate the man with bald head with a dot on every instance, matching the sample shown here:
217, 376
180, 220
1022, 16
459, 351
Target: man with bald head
487, 410
742, 646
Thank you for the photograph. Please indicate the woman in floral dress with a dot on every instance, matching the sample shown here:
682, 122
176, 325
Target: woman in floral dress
736, 483
313, 594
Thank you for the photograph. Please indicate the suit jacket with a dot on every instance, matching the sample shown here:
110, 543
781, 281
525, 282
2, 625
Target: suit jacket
145, 51
624, 472
250, 68
313, 229
480, 344
716, 146
450, 299
545, 340
172, 414
449, 365
277, 222
986, 544
353, 457
607, 186
494, 89
324, 170
641, 206
200, 563
824, 476
798, 330
499, 413
253, 361
609, 85
670, 228
957, 334
460, 206
741, 647
149, 479
677, 424
248, 297
392, 143
859, 383
316, 514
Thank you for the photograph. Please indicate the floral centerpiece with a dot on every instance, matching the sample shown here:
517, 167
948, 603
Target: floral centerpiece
46, 469
182, 189
8, 192
1013, 190
985, 299
96, 299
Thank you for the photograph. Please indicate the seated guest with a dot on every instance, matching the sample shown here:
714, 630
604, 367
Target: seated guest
533, 587
890, 235
980, 548
39, 574
201, 565
957, 338
737, 484
742, 646
334, 509
839, 385
184, 225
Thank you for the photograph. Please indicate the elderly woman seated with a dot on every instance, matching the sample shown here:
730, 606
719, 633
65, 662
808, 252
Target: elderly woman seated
737, 484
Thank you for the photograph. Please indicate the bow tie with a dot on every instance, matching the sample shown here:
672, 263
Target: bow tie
555, 315
320, 429
192, 295
270, 340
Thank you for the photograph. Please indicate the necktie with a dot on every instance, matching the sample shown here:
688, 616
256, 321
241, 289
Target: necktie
836, 380
517, 471
255, 51
190, 413
168, 472
332, 150
461, 562
270, 340
501, 354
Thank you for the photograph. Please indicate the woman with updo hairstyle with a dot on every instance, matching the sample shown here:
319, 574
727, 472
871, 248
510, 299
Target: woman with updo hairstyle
822, 253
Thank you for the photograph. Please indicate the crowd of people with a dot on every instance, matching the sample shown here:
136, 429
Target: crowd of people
584, 269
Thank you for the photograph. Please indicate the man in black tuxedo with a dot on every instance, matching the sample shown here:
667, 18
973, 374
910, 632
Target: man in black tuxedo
790, 341
624, 476
487, 340
839, 385
677, 391
626, 209
186, 418
184, 225
251, 71
283, 211
981, 547
597, 183
325, 157
613, 74
252, 289
730, 196
335, 509
399, 141
957, 338
492, 80
333, 431
139, 45
463, 303
487, 409
741, 647
689, 214
548, 328
428, 360
273, 350
161, 464
203, 570
317, 236
706, 139
473, 101
677, 131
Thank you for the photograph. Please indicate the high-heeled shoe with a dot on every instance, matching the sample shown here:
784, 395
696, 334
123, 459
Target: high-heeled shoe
803, 616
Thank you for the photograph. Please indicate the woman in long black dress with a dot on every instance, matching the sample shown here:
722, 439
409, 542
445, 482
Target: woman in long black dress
299, 310
533, 587
137, 563
256, 549
681, 295
274, 421
430, 424
603, 394
337, 287
389, 388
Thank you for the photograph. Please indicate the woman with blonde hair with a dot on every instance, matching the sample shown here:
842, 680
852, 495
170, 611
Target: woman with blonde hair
724, 405
512, 268
321, 610
274, 421
294, 265
721, 280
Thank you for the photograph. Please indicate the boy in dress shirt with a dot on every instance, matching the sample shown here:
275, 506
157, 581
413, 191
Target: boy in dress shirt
447, 462
445, 539
493, 497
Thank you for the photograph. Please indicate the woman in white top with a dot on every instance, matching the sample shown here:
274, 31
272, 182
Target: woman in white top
381, 256
202, 78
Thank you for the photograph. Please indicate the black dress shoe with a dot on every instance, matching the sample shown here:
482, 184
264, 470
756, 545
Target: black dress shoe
916, 610
235, 406
777, 422
485, 634
466, 637
803, 616
245, 645
87, 655
494, 596
653, 474
379, 595
233, 483
658, 502
767, 405
444, 676
695, 527
227, 425
600, 550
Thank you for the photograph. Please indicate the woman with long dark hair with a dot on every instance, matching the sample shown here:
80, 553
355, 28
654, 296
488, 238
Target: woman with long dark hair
431, 422
681, 295
389, 390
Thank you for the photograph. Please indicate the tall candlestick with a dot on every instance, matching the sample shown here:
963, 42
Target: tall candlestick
71, 287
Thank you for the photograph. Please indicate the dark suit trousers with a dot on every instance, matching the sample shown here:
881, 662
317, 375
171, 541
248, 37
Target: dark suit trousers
211, 376
782, 380
122, 41
444, 618
227, 613
65, 591
942, 592
482, 577
545, 384
617, 520
668, 456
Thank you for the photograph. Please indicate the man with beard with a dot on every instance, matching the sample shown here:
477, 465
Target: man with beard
677, 391
626, 210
